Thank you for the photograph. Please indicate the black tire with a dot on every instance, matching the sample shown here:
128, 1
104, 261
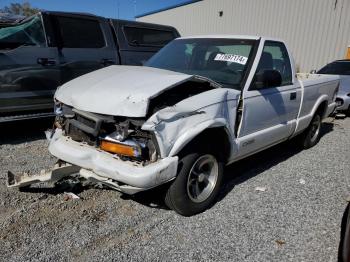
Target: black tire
347, 112
344, 245
312, 134
178, 196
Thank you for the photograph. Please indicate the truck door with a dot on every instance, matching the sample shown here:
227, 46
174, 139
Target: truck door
29, 73
85, 44
269, 113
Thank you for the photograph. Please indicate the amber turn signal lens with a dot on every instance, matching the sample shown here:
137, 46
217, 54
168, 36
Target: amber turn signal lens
119, 149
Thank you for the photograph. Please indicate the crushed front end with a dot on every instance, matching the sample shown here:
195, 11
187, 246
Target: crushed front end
114, 151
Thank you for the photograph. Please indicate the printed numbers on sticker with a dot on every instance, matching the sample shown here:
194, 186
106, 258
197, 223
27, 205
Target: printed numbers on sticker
231, 58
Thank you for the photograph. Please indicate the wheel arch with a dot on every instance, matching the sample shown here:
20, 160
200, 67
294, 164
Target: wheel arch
321, 106
213, 131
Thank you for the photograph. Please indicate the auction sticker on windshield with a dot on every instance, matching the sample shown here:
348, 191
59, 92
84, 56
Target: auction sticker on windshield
231, 58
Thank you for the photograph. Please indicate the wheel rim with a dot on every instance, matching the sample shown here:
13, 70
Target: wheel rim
202, 178
315, 128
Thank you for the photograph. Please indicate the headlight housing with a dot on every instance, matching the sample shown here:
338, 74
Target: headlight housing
58, 107
128, 148
123, 149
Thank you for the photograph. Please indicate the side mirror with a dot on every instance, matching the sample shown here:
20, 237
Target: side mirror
268, 78
313, 71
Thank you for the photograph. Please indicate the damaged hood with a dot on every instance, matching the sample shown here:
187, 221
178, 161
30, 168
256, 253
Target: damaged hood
120, 90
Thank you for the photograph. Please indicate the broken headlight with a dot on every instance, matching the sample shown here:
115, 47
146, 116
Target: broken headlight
58, 108
129, 141
128, 148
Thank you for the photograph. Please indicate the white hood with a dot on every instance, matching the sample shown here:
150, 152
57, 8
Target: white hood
118, 90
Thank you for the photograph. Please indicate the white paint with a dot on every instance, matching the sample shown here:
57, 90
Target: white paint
216, 108
71, 195
118, 90
108, 166
126, 91
260, 188
227, 36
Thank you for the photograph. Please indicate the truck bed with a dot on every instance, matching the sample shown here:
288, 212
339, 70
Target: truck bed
308, 78
316, 87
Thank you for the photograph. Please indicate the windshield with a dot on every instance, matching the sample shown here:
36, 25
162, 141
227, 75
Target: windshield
30, 32
222, 60
336, 68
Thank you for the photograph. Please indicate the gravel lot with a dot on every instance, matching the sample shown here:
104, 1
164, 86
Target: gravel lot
290, 221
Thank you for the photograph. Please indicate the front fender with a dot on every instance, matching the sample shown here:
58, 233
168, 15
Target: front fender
175, 126
191, 133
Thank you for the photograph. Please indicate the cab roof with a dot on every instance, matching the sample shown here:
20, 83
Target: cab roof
243, 37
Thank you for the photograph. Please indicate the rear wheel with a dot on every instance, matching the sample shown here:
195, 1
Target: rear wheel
311, 135
196, 185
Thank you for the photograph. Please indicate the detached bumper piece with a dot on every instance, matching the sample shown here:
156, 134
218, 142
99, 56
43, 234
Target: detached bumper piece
54, 175
61, 171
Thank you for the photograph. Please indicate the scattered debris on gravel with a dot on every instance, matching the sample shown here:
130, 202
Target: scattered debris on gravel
260, 188
297, 219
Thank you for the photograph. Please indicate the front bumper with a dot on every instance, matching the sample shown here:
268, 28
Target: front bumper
131, 175
330, 109
345, 102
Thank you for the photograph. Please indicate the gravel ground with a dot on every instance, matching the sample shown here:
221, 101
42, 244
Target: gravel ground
290, 221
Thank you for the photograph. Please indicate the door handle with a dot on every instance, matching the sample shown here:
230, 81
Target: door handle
46, 61
293, 95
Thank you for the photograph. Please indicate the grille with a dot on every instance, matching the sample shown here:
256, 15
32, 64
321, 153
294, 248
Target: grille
88, 122
83, 127
87, 127
80, 136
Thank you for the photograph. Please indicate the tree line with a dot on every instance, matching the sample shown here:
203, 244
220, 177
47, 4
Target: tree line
24, 9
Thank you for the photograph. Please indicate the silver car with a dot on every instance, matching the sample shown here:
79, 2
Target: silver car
341, 68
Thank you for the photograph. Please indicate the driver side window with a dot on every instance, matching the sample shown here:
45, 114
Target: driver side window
275, 57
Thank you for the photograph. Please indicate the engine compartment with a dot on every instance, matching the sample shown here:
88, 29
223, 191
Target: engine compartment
116, 135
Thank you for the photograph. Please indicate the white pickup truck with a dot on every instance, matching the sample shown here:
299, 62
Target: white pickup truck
199, 104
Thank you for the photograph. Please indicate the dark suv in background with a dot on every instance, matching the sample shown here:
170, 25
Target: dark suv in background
42, 52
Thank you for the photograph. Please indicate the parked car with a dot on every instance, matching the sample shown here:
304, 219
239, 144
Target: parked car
45, 51
342, 68
199, 104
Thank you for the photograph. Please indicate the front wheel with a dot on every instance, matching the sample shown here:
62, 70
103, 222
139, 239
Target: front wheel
196, 185
312, 134
347, 112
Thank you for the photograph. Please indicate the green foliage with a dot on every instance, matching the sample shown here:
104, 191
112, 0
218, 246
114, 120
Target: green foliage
24, 9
